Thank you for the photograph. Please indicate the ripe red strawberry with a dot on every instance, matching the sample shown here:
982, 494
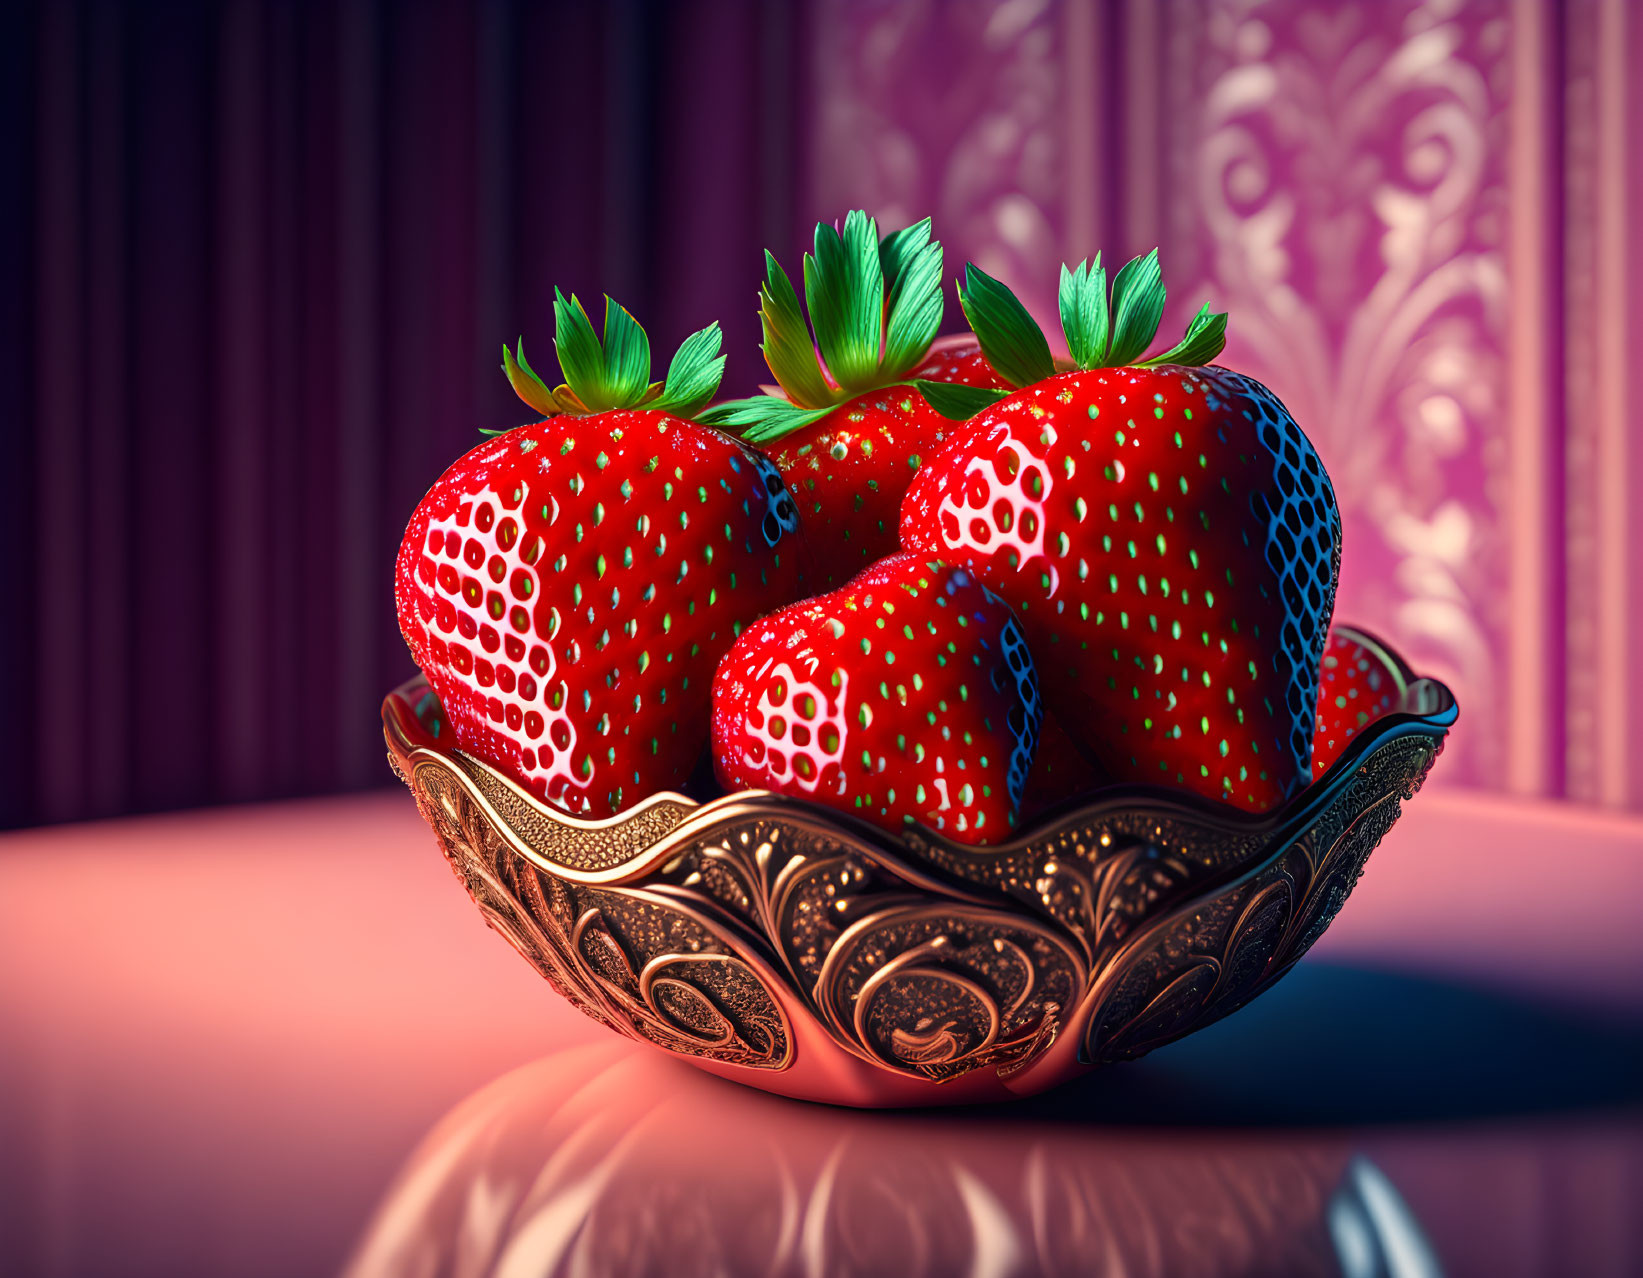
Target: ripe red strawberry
908, 695
957, 359
1059, 771
1359, 681
1164, 530
568, 586
848, 427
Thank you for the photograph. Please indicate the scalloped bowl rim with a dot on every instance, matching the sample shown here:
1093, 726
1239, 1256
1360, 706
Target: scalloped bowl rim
1426, 706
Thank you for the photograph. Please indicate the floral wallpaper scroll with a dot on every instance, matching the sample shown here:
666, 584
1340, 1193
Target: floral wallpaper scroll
1401, 204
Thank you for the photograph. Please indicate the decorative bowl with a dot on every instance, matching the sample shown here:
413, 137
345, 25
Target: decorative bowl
798, 950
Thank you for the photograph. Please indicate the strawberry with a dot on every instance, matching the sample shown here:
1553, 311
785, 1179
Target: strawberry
1059, 772
848, 426
1359, 681
907, 695
1165, 531
568, 586
957, 359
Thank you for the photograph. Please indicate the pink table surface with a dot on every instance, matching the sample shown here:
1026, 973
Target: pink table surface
222, 1032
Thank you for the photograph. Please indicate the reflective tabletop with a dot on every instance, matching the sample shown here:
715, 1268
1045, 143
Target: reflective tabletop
279, 1041
1355, 1123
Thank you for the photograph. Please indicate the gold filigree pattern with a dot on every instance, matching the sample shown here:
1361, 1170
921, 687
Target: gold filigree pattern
1097, 872
1199, 962
940, 990
591, 846
643, 964
1113, 930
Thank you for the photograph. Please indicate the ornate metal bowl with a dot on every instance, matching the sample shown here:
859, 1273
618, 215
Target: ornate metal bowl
798, 950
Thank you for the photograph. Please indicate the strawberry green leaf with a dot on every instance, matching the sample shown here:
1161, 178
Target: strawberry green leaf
762, 418
580, 358
896, 248
874, 308
899, 245
844, 289
627, 355
526, 384
957, 401
615, 372
1084, 313
1206, 336
568, 403
788, 347
693, 376
915, 302
1010, 339
1137, 306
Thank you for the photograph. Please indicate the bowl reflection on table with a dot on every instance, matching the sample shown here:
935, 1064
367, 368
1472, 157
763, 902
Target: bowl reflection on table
604, 1161
799, 950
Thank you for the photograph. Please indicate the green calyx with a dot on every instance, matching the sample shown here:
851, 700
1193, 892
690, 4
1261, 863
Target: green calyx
615, 372
874, 308
1104, 329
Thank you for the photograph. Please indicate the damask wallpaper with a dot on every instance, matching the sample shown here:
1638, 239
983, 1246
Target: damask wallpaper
1415, 213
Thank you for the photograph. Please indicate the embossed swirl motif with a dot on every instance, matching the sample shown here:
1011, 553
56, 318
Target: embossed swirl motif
640, 962
708, 930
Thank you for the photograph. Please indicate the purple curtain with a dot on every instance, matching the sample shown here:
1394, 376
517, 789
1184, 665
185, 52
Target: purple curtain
259, 261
